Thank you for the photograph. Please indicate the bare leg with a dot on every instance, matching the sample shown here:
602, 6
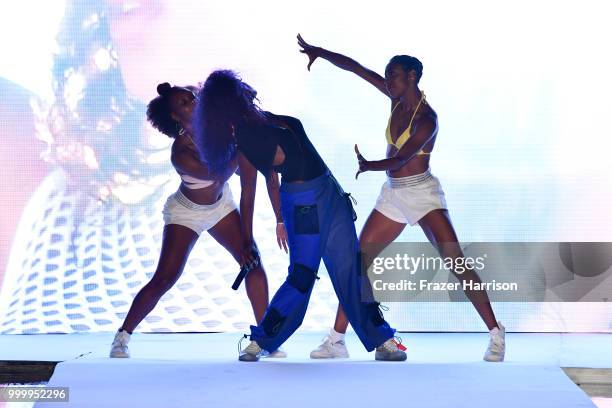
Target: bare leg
378, 229
440, 232
177, 243
228, 232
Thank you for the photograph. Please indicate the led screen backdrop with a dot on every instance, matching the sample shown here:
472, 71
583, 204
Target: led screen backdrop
522, 91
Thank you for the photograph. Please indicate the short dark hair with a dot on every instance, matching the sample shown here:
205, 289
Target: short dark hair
408, 63
159, 112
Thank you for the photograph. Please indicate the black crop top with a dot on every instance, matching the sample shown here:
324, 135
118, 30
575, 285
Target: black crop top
258, 143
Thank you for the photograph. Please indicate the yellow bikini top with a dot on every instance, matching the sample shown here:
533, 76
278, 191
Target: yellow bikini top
406, 133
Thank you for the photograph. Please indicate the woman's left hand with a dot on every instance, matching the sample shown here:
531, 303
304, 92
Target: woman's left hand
364, 165
281, 236
310, 50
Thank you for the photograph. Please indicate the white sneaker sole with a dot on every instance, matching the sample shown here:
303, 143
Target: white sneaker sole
276, 354
327, 357
494, 358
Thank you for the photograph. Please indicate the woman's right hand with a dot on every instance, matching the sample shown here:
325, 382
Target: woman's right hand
281, 236
363, 163
310, 50
246, 257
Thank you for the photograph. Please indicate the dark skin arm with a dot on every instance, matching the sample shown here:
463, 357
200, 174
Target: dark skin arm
343, 62
426, 129
273, 185
248, 185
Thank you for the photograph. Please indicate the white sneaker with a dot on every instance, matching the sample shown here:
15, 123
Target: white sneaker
497, 344
328, 349
389, 351
252, 352
119, 347
279, 353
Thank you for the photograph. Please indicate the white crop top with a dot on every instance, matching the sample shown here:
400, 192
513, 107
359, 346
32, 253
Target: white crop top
194, 182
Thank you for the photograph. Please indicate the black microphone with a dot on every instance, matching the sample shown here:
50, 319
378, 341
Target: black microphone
246, 269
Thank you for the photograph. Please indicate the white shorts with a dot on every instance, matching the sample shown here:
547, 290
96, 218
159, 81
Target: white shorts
182, 211
408, 199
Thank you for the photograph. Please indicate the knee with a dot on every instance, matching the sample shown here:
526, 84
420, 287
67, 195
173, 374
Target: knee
371, 245
302, 277
257, 275
272, 321
365, 240
161, 285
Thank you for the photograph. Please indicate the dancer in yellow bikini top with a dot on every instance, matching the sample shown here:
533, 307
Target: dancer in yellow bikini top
421, 203
403, 138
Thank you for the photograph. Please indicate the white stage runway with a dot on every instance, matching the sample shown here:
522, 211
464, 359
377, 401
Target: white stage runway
201, 370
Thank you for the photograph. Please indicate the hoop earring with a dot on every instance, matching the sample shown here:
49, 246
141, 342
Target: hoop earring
179, 129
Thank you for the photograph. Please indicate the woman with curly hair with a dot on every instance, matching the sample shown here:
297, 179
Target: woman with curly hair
317, 213
203, 202
90, 235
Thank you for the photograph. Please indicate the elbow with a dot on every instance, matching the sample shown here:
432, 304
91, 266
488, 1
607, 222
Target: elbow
248, 184
398, 164
247, 193
272, 185
247, 206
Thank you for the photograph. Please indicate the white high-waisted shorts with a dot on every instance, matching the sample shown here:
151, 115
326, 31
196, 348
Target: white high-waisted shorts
408, 199
198, 217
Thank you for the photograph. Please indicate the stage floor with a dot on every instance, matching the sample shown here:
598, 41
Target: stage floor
201, 370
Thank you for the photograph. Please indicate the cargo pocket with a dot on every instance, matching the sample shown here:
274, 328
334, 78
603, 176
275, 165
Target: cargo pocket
306, 219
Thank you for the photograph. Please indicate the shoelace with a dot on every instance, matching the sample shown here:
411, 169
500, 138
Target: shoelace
496, 343
248, 348
341, 191
326, 343
398, 342
382, 308
389, 345
120, 340
244, 336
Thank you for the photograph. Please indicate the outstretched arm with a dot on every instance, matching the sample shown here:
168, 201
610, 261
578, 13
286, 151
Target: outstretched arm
343, 62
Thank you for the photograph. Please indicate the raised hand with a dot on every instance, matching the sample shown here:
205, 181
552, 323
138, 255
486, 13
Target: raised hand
363, 163
310, 50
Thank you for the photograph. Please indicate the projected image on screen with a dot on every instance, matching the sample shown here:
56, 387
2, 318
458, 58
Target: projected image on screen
85, 176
